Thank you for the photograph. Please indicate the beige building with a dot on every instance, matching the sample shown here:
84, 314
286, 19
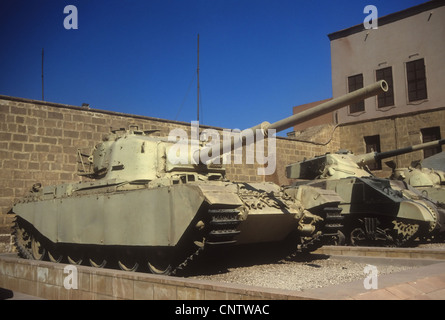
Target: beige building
408, 51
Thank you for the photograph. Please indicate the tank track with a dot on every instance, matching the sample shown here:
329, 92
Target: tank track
222, 224
331, 232
384, 232
22, 241
222, 230
334, 225
183, 265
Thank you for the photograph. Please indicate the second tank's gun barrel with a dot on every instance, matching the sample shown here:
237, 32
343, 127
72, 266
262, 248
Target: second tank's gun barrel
329, 106
372, 157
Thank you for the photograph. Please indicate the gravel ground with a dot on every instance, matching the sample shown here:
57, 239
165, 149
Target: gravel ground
299, 275
295, 273
436, 246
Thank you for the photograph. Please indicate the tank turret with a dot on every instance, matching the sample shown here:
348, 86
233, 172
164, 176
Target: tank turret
345, 164
155, 202
137, 155
429, 181
377, 211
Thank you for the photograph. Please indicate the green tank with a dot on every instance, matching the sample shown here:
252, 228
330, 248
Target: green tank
376, 211
152, 204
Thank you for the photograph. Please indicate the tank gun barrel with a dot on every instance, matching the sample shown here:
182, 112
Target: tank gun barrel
329, 106
372, 157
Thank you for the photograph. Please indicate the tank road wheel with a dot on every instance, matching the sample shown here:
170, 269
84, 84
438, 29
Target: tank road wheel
95, 264
357, 236
37, 250
339, 239
97, 258
159, 261
160, 270
75, 260
75, 256
128, 259
55, 256
128, 265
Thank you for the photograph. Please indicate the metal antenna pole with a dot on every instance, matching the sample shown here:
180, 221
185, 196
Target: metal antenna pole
43, 99
198, 78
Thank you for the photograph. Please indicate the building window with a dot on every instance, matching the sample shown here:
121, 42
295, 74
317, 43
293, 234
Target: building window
431, 134
373, 145
385, 99
416, 76
355, 83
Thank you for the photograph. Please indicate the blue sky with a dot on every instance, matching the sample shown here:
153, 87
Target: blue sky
258, 58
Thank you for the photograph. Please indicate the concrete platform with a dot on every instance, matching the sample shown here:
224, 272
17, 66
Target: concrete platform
425, 282
384, 252
45, 280
422, 283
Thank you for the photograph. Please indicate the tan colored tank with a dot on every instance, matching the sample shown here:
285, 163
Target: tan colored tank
376, 211
429, 181
148, 207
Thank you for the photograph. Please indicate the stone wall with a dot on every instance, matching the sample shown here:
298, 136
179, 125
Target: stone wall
52, 281
395, 132
39, 143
